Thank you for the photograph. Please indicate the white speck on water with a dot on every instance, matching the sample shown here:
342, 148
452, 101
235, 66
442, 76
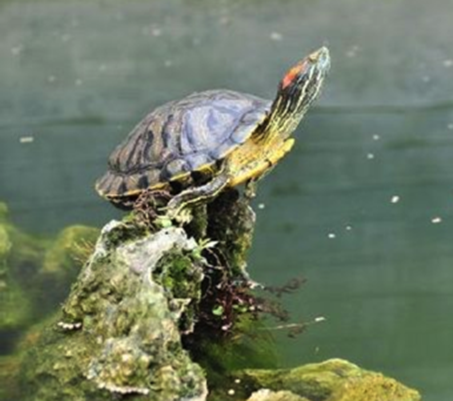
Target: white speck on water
261, 206
51, 78
376, 137
224, 20
331, 235
237, 381
395, 199
78, 82
276, 36
156, 32
352, 52
168, 63
348, 228
370, 156
320, 319
16, 50
26, 139
448, 63
231, 391
450, 126
436, 220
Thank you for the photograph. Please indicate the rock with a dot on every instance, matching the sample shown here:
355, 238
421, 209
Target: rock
332, 380
15, 305
144, 300
62, 261
373, 387
119, 331
9, 367
268, 395
70, 250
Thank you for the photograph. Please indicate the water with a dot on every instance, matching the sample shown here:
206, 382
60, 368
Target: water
362, 207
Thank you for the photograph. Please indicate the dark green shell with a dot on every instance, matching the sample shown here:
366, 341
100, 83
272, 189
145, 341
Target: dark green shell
179, 138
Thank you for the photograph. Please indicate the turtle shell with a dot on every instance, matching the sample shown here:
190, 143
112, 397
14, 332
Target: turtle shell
179, 138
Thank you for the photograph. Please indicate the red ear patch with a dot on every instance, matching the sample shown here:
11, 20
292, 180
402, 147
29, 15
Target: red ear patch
292, 74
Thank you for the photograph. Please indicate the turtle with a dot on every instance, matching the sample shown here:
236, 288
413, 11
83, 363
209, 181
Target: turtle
196, 147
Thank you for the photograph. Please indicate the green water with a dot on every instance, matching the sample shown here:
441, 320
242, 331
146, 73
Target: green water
75, 76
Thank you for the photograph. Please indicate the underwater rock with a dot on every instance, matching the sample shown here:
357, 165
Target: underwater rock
62, 261
9, 367
15, 307
119, 331
25, 252
70, 250
332, 380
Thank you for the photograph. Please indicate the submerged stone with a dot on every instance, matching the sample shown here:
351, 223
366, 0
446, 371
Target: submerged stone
62, 261
15, 306
9, 367
69, 251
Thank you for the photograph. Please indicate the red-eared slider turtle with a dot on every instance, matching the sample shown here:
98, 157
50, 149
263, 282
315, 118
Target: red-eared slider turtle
197, 146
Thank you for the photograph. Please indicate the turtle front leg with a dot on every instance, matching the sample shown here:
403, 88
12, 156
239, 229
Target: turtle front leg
175, 208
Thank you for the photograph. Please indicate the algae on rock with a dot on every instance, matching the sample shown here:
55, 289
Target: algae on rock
30, 266
15, 306
119, 329
69, 251
332, 380
143, 299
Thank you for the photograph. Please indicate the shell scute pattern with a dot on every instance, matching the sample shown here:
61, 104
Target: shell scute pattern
180, 137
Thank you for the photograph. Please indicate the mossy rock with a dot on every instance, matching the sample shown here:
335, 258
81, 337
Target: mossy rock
332, 380
25, 254
62, 261
69, 251
16, 310
118, 333
14, 302
9, 386
373, 387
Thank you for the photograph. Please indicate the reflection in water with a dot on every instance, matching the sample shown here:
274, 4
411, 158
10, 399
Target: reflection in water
366, 218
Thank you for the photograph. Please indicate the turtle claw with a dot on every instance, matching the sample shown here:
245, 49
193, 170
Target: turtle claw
250, 189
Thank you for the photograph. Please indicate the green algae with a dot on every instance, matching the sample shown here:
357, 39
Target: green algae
332, 380
119, 329
15, 308
69, 251
165, 315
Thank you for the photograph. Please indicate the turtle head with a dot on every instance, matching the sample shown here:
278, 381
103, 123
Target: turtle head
299, 87
307, 74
